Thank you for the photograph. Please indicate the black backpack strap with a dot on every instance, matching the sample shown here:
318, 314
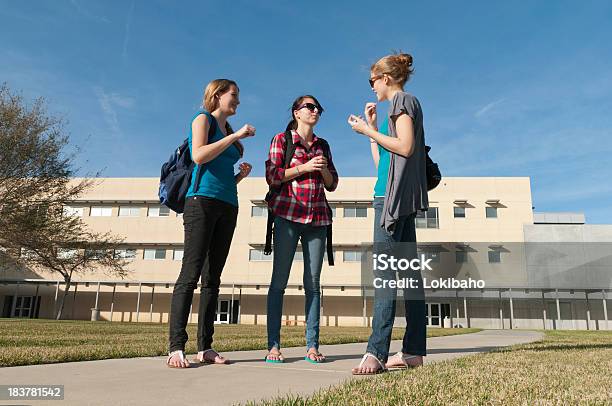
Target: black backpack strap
212, 129
330, 250
289, 151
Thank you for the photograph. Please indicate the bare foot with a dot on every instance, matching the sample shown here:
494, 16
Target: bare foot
368, 366
400, 360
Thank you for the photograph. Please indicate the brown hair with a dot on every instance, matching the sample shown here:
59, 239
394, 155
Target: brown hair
397, 65
296, 103
211, 103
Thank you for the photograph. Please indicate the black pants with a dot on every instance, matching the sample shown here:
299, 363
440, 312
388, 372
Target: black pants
209, 227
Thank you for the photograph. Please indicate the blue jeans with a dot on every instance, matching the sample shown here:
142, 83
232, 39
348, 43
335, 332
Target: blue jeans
414, 341
286, 236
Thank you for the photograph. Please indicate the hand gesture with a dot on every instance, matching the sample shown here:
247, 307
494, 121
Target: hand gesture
247, 130
357, 123
245, 169
316, 164
370, 114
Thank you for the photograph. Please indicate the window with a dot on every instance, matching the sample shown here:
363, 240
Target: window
351, 256
127, 253
491, 212
154, 253
94, 254
333, 209
70, 211
23, 306
258, 211
427, 219
177, 255
299, 255
101, 211
258, 255
494, 257
26, 253
159, 211
66, 253
355, 212
459, 212
129, 211
460, 256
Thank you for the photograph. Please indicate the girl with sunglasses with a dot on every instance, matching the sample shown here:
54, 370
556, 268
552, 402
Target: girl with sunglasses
211, 208
301, 212
405, 193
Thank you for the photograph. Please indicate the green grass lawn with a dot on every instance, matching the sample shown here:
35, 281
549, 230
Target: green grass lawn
29, 342
565, 368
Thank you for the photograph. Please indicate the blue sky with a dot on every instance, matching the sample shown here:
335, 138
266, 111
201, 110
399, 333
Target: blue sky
507, 88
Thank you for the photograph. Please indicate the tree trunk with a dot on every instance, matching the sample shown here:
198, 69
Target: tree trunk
63, 300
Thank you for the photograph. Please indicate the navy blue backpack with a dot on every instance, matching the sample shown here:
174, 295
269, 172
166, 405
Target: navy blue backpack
176, 173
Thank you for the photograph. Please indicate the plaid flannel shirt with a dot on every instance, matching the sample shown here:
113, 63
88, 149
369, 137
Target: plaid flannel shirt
302, 199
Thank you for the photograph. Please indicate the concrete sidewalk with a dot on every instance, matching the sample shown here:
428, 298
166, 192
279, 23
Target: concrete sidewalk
146, 381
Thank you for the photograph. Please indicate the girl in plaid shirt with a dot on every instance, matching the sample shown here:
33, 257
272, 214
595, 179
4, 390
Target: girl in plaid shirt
301, 212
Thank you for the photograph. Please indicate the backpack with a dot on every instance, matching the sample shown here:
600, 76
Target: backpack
175, 177
432, 171
289, 151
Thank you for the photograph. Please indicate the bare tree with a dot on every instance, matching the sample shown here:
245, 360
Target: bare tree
37, 182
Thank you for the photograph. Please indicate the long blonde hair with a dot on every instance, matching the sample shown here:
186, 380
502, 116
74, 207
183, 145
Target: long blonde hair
211, 102
398, 66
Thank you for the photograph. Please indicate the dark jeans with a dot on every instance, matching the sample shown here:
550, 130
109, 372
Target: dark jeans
209, 227
414, 341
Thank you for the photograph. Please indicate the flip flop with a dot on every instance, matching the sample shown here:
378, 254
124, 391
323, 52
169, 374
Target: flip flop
312, 361
381, 370
200, 358
275, 361
404, 358
181, 355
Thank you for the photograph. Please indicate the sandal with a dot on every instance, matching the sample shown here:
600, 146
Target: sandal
316, 353
404, 358
201, 358
367, 355
280, 359
181, 355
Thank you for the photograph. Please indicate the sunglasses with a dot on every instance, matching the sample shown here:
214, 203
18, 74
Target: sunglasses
311, 107
374, 79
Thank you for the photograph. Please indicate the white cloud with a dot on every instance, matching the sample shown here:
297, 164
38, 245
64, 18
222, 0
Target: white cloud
488, 107
109, 103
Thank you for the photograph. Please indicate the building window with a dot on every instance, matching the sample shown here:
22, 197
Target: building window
23, 306
351, 256
333, 209
70, 211
127, 253
159, 211
355, 212
94, 254
129, 211
258, 255
66, 253
258, 211
459, 212
101, 211
154, 253
460, 257
427, 219
491, 212
494, 257
177, 255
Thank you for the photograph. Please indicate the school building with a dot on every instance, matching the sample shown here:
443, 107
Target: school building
476, 226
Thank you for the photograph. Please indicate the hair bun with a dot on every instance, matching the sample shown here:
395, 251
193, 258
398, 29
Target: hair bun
405, 59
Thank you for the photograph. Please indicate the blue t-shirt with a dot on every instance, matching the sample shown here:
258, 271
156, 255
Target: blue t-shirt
383, 163
217, 179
